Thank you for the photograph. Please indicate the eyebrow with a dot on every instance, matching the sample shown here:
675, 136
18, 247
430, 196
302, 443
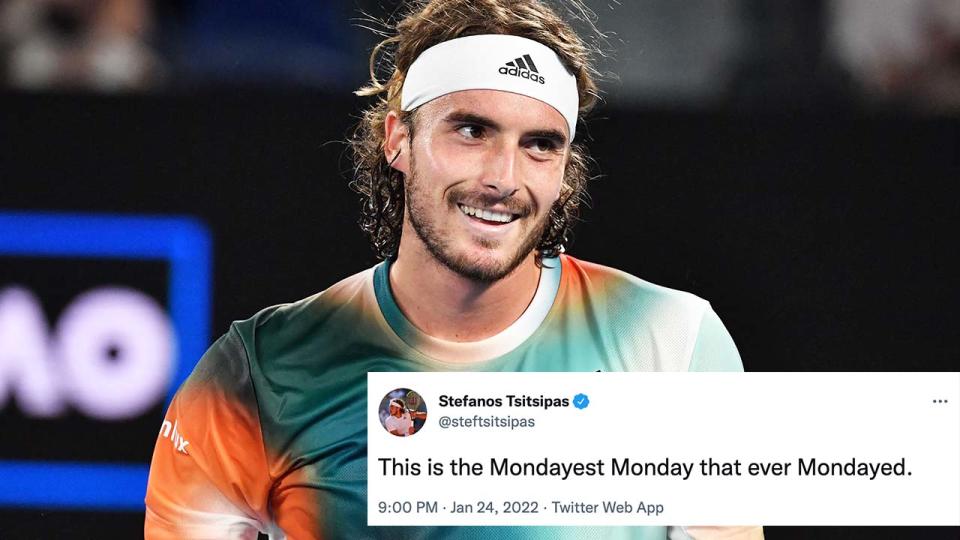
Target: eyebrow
457, 117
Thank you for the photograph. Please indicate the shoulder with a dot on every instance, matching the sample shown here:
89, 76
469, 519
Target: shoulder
312, 331
621, 289
295, 319
649, 326
317, 306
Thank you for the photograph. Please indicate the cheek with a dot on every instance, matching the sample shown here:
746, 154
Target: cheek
452, 160
554, 197
557, 192
546, 185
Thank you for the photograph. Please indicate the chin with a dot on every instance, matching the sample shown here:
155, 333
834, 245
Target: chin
484, 265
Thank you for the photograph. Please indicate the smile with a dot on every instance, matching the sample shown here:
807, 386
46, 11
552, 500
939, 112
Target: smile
486, 215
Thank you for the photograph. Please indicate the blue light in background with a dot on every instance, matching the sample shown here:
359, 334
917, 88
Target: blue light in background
73, 485
185, 245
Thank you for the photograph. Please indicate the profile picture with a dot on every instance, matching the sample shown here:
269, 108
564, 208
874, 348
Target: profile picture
402, 412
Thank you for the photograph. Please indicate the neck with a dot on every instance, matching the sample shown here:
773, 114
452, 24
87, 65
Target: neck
443, 304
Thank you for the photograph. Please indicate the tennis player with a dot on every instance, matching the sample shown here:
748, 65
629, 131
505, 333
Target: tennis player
400, 419
469, 180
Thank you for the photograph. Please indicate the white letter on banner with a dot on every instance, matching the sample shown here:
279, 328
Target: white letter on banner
24, 358
116, 347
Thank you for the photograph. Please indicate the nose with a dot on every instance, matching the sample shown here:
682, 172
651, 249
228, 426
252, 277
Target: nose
501, 176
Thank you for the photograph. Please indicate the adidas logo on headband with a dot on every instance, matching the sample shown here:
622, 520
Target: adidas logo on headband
522, 67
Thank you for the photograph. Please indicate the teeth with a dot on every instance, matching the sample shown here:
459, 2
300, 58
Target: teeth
486, 214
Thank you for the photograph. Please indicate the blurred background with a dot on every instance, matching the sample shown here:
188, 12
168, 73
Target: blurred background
167, 167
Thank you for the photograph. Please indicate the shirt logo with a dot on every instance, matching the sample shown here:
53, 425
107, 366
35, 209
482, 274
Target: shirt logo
175, 437
522, 66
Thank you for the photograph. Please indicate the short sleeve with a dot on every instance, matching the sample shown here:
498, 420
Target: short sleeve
209, 476
716, 533
714, 349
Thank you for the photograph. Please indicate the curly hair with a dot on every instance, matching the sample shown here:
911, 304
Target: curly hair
423, 25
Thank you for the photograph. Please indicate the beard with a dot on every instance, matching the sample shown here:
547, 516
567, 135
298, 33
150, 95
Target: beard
480, 269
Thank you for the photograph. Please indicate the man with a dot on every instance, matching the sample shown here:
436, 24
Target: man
469, 183
400, 421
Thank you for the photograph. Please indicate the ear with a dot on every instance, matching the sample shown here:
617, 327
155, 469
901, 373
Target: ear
396, 143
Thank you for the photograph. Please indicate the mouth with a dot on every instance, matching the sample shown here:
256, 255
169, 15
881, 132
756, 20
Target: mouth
487, 216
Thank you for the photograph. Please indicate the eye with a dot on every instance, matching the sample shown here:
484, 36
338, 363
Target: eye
471, 131
543, 145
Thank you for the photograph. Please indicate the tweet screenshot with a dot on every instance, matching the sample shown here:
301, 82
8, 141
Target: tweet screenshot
663, 448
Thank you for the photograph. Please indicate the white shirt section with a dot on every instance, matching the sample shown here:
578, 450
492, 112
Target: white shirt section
401, 424
493, 62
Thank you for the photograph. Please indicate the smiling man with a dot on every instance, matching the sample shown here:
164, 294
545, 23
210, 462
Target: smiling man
470, 181
481, 177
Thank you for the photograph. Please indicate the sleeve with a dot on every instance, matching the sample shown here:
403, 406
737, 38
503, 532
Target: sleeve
715, 533
714, 349
209, 476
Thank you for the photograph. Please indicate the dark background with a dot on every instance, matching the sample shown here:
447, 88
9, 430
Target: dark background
824, 239
73, 436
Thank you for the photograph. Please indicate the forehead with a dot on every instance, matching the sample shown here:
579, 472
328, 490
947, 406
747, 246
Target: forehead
508, 110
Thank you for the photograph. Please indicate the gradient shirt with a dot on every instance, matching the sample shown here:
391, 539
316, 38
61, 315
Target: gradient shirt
269, 431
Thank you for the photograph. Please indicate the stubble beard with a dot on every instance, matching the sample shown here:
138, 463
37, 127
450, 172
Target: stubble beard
469, 267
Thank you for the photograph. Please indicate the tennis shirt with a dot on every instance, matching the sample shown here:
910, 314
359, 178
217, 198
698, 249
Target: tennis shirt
269, 431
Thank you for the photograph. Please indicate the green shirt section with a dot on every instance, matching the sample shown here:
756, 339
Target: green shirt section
307, 364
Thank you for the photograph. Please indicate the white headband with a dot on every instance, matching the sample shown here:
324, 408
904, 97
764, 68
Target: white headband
492, 62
